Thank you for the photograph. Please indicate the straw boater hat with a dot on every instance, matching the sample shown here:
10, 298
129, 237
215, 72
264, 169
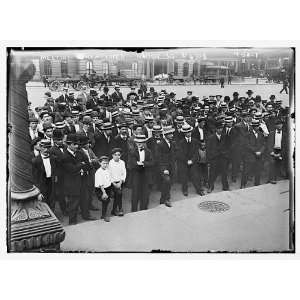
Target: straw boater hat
103, 157
157, 128
228, 119
219, 124
186, 128
258, 115
88, 112
140, 138
75, 113
168, 129
149, 118
179, 119
60, 125
255, 122
106, 126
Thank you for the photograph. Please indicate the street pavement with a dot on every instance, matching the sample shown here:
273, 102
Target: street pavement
36, 91
257, 220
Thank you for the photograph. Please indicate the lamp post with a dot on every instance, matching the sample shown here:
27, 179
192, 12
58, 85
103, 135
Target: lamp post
32, 226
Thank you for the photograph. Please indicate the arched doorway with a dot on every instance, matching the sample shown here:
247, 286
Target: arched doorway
185, 71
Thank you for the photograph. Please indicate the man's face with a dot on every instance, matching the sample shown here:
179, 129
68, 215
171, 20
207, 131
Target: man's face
156, 135
85, 127
188, 134
278, 126
73, 147
123, 131
139, 131
69, 120
33, 125
75, 119
44, 151
269, 108
169, 136
202, 146
150, 124
116, 156
85, 146
48, 119
140, 145
95, 119
104, 164
201, 124
179, 125
219, 130
49, 132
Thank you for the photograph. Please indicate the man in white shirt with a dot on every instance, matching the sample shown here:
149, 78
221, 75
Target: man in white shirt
262, 125
117, 172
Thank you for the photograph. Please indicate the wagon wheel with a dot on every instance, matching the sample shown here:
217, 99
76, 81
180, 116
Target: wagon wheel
55, 85
79, 86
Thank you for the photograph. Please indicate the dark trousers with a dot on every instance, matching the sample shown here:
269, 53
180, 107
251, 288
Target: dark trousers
203, 175
84, 199
117, 204
284, 89
105, 203
47, 193
218, 166
59, 196
236, 160
252, 167
140, 190
165, 188
72, 204
275, 168
187, 172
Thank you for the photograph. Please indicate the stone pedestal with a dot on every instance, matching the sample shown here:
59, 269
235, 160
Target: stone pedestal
32, 226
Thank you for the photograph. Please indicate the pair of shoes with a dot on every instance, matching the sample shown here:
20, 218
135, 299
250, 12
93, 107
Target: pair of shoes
226, 189
92, 207
89, 218
202, 193
114, 213
121, 213
168, 203
106, 219
185, 193
273, 181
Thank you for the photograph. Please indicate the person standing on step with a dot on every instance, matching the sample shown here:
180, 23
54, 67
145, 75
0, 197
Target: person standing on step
103, 186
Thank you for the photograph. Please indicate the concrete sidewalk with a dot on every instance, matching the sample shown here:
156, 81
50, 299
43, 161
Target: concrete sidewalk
258, 220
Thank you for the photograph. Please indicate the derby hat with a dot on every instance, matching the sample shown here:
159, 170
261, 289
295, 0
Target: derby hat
115, 150
45, 143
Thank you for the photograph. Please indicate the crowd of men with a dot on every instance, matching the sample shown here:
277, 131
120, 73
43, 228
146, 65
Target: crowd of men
100, 142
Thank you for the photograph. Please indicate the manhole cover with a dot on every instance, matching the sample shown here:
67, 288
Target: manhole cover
214, 206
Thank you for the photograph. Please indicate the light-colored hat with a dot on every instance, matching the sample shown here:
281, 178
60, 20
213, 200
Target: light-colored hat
186, 128
140, 138
168, 129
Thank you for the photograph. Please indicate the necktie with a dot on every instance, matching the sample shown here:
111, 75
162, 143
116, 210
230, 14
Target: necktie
278, 131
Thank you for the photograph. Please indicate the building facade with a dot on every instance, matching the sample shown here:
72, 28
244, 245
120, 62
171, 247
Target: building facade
148, 64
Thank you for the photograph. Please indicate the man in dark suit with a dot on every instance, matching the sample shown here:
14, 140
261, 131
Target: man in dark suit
104, 143
200, 132
86, 129
139, 162
232, 146
254, 150
186, 160
277, 152
74, 169
92, 102
217, 156
117, 96
42, 172
64, 97
242, 131
69, 128
57, 154
166, 164
121, 141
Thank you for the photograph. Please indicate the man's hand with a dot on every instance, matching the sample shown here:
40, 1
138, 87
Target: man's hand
104, 196
140, 163
166, 172
189, 162
257, 153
